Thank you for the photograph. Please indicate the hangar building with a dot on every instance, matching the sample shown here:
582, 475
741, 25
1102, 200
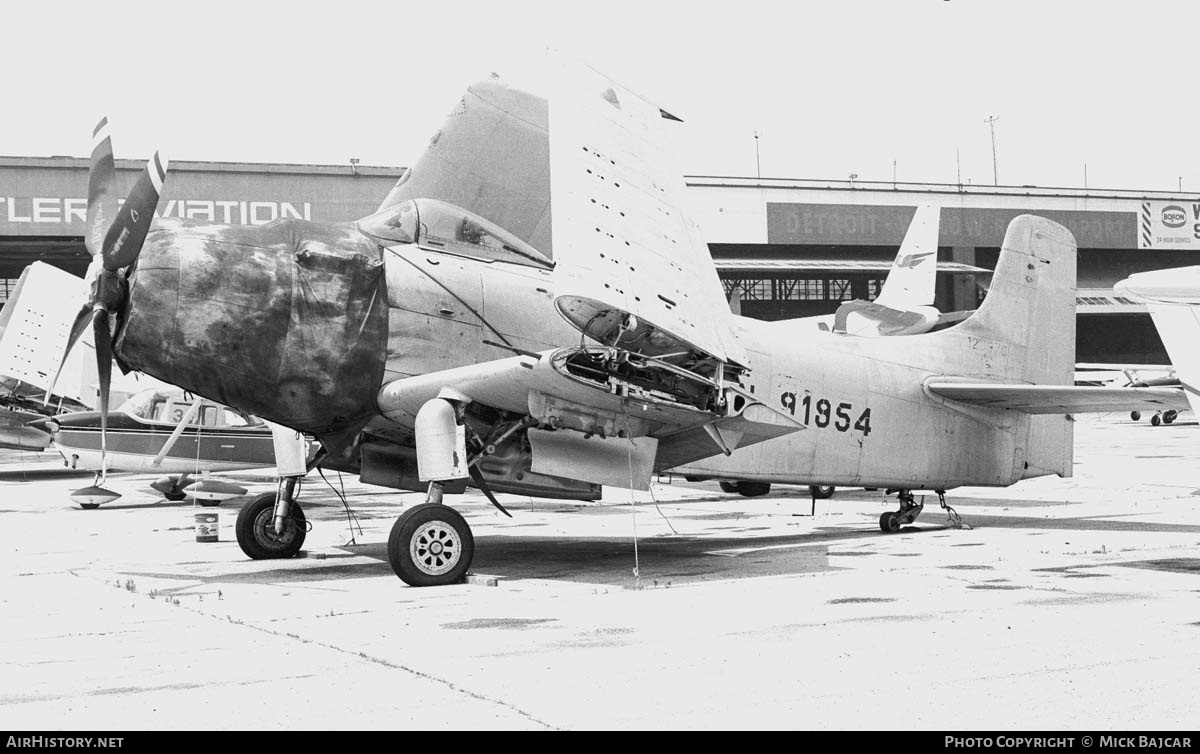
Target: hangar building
790, 247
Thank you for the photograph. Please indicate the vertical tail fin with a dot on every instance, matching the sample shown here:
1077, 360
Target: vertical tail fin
1030, 306
1173, 299
1025, 331
911, 281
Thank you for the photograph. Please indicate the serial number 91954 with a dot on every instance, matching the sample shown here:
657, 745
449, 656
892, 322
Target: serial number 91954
823, 413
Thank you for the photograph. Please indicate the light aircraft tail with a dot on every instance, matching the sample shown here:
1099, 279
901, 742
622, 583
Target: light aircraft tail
1173, 299
904, 306
911, 280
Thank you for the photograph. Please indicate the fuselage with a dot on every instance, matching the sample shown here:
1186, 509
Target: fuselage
295, 321
867, 419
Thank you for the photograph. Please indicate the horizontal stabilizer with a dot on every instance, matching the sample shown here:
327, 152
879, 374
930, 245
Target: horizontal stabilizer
1060, 399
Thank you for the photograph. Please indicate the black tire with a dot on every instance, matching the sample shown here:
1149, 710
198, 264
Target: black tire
1156, 419
431, 545
89, 506
1135, 415
215, 503
821, 492
175, 495
730, 487
889, 522
1170, 416
753, 489
255, 529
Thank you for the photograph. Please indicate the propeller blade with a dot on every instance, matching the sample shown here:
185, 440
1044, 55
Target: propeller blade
77, 328
124, 239
104, 356
102, 195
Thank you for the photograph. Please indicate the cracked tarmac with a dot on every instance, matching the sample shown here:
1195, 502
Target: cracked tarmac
1069, 604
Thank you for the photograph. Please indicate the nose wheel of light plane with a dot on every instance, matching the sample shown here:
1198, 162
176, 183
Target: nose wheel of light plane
431, 545
256, 533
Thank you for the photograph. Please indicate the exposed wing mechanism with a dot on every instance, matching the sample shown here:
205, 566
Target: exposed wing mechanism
622, 407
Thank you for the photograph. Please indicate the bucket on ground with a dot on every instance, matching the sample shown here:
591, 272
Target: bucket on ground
206, 527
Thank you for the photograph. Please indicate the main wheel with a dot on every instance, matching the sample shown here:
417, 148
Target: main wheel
255, 529
175, 495
730, 487
1135, 415
753, 489
1156, 419
821, 492
431, 545
889, 522
1170, 416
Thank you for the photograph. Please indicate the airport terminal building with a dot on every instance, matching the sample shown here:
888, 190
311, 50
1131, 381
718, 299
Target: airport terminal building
791, 247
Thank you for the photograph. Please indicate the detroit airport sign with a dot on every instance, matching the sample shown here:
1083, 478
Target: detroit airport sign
71, 211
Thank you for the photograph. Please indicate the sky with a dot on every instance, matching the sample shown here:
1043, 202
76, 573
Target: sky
1086, 93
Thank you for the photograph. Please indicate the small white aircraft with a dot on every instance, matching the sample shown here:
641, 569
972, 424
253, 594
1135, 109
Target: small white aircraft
1173, 299
168, 431
1134, 375
33, 332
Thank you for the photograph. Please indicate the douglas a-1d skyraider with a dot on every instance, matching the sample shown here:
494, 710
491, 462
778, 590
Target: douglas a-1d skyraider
466, 334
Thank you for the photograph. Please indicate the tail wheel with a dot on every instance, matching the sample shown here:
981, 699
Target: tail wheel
889, 522
431, 545
255, 529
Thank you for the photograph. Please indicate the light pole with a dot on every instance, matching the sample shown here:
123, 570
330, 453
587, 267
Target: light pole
757, 164
991, 121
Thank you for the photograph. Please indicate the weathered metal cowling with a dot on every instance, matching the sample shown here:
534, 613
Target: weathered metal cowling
287, 321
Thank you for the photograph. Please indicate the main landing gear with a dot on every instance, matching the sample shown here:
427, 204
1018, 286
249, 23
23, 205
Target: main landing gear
1159, 417
431, 544
272, 525
1163, 417
891, 521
